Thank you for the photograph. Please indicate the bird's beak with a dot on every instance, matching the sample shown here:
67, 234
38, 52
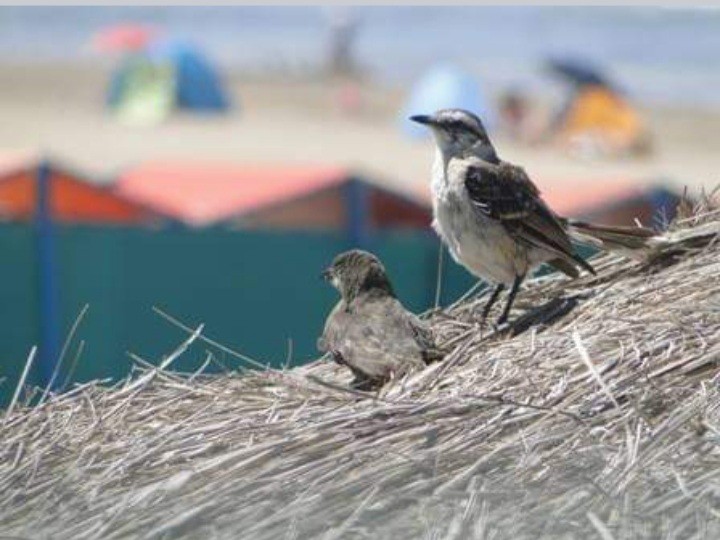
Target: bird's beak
423, 119
326, 274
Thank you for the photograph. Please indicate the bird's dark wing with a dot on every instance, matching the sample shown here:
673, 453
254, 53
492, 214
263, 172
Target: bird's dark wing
505, 193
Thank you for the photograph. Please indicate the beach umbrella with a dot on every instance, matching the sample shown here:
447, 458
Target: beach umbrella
123, 37
441, 87
578, 72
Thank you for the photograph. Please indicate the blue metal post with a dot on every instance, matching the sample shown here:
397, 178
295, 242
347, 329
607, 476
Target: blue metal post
47, 275
357, 207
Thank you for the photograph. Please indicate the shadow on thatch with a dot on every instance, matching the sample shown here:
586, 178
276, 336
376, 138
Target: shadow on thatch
598, 419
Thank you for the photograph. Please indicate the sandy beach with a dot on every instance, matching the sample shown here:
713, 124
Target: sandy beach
58, 110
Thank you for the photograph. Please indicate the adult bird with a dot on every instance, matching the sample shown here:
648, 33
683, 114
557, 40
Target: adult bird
369, 330
492, 217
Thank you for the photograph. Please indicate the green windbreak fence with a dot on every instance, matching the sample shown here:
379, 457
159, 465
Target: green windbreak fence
259, 293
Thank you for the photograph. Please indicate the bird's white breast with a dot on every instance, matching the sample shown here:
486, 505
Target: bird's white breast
475, 241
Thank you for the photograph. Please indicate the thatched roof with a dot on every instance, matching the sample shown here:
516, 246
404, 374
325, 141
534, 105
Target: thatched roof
601, 422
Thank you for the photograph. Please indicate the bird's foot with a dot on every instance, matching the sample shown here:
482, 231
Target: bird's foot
494, 327
501, 326
487, 325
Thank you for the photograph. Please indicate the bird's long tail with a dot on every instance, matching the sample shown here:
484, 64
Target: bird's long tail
630, 241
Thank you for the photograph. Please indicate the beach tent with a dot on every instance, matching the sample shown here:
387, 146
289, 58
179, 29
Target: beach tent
197, 83
74, 197
276, 196
579, 73
597, 115
441, 87
167, 74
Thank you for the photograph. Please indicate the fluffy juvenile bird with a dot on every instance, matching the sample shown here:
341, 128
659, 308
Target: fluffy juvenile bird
369, 330
492, 217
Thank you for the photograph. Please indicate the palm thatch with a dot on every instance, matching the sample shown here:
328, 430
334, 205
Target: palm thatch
597, 416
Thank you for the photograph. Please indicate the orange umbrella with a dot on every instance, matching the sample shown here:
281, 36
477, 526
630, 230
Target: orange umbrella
123, 37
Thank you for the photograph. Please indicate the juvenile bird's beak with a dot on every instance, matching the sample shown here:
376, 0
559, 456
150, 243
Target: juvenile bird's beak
326, 274
423, 119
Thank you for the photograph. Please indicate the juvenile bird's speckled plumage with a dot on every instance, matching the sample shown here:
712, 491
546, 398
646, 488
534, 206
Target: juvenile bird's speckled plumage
369, 330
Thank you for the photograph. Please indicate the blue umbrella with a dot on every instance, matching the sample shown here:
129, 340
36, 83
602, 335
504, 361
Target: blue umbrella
442, 87
578, 72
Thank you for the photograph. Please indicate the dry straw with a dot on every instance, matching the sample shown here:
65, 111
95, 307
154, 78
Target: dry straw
597, 419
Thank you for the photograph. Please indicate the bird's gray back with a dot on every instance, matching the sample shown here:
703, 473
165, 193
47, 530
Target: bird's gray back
376, 336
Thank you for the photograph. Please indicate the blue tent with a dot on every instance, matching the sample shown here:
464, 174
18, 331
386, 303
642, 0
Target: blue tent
197, 84
444, 87
192, 82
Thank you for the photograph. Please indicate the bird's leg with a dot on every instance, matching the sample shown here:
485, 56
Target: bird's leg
491, 301
511, 298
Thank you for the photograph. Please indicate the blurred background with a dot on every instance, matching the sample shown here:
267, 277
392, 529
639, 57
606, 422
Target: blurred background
212, 161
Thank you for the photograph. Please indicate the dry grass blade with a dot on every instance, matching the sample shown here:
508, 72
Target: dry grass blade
63, 352
21, 383
594, 372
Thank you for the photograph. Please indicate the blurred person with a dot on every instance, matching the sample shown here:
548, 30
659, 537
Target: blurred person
343, 31
341, 64
519, 118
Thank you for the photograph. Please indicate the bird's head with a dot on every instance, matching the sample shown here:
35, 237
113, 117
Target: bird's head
457, 131
356, 271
